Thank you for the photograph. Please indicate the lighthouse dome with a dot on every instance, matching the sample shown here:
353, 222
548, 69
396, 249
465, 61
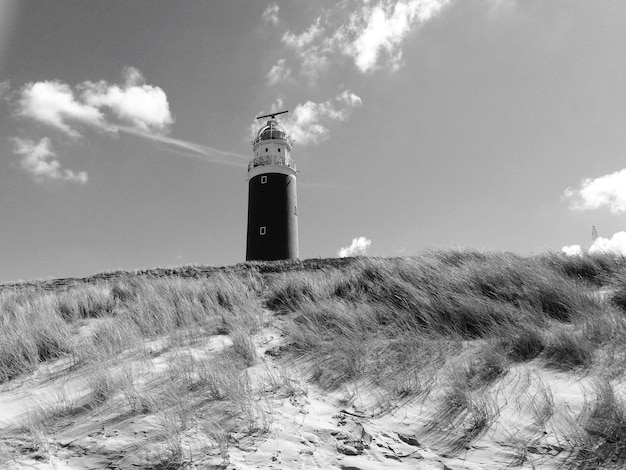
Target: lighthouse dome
271, 130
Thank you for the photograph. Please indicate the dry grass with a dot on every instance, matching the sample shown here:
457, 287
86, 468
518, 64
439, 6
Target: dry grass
396, 323
356, 322
36, 326
113, 334
605, 426
542, 405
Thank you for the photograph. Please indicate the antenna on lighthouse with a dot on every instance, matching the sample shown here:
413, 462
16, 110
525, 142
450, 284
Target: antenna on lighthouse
273, 115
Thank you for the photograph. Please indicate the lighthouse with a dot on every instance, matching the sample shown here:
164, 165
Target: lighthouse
272, 197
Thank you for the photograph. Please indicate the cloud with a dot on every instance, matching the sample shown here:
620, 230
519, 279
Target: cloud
572, 250
300, 42
270, 14
307, 123
616, 245
311, 48
358, 247
132, 107
143, 106
99, 105
371, 33
349, 99
38, 160
191, 149
382, 29
278, 73
604, 191
54, 103
5, 87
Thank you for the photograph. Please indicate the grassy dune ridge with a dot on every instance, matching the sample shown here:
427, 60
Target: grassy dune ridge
393, 323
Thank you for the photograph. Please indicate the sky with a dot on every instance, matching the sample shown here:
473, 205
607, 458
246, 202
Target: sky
126, 127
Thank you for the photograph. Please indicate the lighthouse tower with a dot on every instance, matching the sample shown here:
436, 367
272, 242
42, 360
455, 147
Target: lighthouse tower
272, 200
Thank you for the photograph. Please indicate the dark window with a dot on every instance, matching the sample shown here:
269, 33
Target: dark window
279, 150
266, 149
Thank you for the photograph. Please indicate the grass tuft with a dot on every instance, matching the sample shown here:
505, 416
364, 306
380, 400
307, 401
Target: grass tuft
605, 425
566, 350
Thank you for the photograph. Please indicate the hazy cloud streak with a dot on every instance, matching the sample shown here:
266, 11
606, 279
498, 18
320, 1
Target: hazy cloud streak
191, 149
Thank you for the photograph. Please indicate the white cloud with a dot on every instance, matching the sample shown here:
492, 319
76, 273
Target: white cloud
311, 48
306, 124
382, 29
349, 99
144, 107
270, 14
371, 33
358, 247
313, 65
53, 103
278, 73
572, 250
38, 160
616, 245
300, 42
604, 191
132, 107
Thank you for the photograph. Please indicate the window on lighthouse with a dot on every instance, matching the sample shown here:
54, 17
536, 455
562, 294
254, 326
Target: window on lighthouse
263, 179
262, 230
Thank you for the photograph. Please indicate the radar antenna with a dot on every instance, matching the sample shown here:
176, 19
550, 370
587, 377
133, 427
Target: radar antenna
272, 115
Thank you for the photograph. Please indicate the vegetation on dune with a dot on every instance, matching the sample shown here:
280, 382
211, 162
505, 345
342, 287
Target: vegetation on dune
391, 321
37, 325
378, 312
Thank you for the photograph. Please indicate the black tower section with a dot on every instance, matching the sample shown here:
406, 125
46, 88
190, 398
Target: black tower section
272, 218
272, 197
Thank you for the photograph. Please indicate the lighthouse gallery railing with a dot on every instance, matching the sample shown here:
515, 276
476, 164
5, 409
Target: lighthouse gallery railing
272, 160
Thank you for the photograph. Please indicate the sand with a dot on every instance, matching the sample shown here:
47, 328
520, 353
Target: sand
530, 420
